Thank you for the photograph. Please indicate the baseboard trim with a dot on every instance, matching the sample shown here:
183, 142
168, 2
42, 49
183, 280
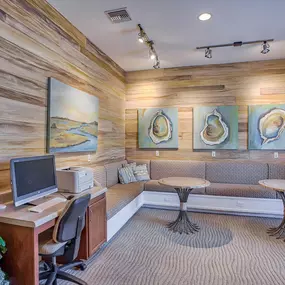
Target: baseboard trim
120, 219
218, 204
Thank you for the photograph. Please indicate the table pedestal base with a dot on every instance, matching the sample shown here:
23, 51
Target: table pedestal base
280, 230
182, 224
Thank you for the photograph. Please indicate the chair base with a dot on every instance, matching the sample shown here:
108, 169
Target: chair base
55, 273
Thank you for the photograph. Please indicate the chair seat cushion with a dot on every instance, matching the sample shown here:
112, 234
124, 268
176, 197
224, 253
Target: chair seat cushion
240, 190
153, 185
120, 195
47, 245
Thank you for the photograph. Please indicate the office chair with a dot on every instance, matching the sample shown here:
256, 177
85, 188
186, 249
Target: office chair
65, 242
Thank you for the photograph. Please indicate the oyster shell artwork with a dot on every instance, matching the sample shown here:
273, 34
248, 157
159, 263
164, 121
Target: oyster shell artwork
215, 130
160, 129
271, 125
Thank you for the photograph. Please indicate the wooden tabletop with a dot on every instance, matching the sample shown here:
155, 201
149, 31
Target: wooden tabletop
21, 216
275, 184
184, 182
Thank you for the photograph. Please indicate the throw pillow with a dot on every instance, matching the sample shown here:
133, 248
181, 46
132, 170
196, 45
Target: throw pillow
126, 175
141, 173
132, 165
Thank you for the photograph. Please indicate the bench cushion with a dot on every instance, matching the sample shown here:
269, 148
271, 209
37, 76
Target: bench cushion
112, 172
99, 173
120, 195
236, 172
240, 190
276, 171
176, 168
153, 185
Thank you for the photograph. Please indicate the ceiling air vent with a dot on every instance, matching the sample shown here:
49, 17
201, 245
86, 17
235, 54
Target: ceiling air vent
118, 16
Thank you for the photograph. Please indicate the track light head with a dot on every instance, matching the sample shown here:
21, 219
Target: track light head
208, 53
141, 37
157, 63
265, 47
152, 53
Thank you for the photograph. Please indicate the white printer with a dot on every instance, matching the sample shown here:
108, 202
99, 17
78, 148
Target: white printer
74, 179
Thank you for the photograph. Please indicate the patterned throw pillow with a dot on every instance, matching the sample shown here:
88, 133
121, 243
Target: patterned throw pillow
141, 173
132, 165
126, 175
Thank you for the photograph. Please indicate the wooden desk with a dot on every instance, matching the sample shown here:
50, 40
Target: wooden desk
21, 228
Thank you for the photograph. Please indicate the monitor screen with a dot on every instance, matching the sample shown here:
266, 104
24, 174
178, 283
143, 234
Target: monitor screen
32, 178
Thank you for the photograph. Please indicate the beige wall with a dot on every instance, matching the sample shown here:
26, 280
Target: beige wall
239, 84
36, 42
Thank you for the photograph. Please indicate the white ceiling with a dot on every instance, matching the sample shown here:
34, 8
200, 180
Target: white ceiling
176, 30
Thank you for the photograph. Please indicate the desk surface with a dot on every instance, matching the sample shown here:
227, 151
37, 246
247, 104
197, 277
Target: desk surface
20, 216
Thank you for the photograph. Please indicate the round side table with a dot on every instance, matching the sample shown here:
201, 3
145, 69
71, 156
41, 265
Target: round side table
279, 186
183, 187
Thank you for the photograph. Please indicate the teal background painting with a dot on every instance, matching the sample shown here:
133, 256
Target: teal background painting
145, 117
229, 117
255, 113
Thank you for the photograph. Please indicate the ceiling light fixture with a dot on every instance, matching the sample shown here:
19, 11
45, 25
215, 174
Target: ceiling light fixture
265, 47
208, 53
205, 17
143, 38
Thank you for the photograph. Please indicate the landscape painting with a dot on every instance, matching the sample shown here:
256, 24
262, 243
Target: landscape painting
72, 119
158, 128
266, 125
215, 127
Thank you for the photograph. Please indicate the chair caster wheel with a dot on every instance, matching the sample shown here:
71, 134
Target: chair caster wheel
82, 266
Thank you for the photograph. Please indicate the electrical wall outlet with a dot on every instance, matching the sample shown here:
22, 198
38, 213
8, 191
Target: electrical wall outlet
276, 154
157, 153
89, 157
213, 154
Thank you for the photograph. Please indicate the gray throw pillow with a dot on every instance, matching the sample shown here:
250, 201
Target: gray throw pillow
141, 173
126, 175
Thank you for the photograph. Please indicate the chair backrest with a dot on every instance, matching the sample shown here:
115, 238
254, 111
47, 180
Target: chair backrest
72, 220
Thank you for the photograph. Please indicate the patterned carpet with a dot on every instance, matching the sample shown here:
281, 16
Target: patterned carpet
229, 250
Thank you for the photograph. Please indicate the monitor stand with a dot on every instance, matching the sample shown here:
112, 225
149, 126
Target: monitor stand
40, 200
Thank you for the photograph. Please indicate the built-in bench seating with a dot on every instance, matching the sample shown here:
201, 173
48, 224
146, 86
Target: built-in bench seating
229, 179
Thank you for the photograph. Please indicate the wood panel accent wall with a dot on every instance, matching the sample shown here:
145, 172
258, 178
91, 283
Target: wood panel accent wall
37, 42
239, 84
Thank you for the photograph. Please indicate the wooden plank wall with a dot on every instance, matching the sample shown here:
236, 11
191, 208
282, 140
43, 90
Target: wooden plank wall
239, 84
37, 42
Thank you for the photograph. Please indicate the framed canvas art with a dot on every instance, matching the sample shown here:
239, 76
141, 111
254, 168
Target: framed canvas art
72, 119
215, 127
266, 125
158, 128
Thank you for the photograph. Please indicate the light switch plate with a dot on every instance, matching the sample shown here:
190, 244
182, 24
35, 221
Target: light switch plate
276, 154
157, 153
213, 154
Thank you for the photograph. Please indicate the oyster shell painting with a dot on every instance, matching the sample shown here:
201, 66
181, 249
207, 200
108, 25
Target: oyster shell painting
216, 127
158, 128
215, 130
266, 127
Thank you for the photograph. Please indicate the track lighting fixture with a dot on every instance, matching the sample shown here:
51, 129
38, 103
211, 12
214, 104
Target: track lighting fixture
265, 47
143, 38
208, 53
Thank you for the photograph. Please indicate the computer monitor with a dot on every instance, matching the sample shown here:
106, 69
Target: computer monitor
32, 178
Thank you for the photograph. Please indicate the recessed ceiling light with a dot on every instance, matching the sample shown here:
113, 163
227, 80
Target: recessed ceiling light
205, 16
